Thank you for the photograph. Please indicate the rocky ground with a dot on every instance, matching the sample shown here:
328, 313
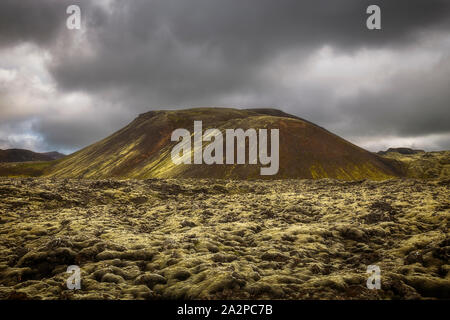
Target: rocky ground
421, 165
214, 239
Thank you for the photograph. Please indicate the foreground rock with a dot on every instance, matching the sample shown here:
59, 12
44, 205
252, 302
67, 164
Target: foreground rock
217, 239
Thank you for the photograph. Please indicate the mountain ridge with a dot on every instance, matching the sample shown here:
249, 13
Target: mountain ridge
401, 150
24, 155
142, 149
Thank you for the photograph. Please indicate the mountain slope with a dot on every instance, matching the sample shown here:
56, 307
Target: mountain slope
22, 155
404, 151
142, 149
422, 165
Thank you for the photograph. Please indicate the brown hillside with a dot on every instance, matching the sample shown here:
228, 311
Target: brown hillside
142, 149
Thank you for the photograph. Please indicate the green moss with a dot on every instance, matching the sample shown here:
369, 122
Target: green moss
318, 172
25, 169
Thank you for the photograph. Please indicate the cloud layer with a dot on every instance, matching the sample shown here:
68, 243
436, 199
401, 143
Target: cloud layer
63, 89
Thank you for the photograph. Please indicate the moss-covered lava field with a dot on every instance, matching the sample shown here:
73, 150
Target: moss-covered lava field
222, 239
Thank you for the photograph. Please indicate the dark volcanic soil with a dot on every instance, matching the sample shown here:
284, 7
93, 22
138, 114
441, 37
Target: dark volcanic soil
214, 239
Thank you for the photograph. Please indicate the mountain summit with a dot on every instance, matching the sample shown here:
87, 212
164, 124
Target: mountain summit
143, 148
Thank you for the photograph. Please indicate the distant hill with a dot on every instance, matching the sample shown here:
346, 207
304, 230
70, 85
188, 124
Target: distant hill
142, 149
22, 155
54, 155
401, 151
420, 164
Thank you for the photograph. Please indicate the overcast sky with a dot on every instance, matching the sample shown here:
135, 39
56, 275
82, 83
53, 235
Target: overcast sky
64, 89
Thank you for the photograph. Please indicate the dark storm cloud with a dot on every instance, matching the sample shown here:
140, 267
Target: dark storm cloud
40, 22
160, 54
174, 47
74, 132
30, 20
415, 105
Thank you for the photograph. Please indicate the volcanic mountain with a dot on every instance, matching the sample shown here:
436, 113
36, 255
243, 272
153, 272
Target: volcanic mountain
22, 155
143, 148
